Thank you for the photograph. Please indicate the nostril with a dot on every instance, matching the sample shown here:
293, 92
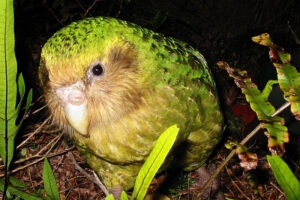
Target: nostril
71, 94
76, 97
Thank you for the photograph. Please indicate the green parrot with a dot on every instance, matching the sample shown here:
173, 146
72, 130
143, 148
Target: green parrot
114, 87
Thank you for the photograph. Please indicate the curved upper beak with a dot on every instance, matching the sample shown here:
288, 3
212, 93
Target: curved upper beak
73, 100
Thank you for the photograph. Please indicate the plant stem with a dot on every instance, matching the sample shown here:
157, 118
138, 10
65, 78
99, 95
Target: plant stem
232, 153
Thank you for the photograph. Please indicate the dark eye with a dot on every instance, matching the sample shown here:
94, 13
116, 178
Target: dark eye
97, 69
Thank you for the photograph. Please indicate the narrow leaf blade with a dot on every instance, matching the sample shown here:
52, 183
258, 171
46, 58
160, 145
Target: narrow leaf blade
8, 86
110, 197
49, 181
18, 192
285, 177
124, 196
154, 161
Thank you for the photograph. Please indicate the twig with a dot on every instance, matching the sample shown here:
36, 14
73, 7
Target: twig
38, 160
103, 188
50, 131
236, 186
294, 34
282, 108
230, 191
239, 189
54, 15
188, 189
88, 10
83, 8
39, 109
55, 140
277, 188
97, 182
32, 134
38, 155
232, 153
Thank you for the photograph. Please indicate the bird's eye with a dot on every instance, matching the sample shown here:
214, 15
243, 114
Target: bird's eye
97, 69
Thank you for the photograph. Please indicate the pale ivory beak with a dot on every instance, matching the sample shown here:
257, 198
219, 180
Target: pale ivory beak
72, 99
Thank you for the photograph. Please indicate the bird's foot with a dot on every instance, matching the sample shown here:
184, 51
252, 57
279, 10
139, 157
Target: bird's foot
214, 191
116, 192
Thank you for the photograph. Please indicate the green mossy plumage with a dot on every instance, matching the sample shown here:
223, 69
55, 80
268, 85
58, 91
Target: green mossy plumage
157, 82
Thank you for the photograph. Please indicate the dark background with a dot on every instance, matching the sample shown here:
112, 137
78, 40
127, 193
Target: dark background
219, 29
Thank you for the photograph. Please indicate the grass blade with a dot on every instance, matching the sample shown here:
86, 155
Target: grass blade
285, 177
154, 162
49, 181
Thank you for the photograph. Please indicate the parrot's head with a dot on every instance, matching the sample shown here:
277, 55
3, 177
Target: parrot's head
89, 78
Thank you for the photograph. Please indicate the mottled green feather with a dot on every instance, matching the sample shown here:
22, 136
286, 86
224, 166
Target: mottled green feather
176, 88
93, 33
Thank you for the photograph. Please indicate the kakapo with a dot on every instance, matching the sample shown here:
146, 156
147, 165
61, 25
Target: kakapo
114, 87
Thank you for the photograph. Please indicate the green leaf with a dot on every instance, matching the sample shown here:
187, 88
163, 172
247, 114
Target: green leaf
154, 161
268, 88
285, 177
241, 149
124, 196
9, 88
276, 131
263, 39
288, 76
110, 197
23, 152
18, 192
49, 181
18, 183
28, 102
231, 144
21, 86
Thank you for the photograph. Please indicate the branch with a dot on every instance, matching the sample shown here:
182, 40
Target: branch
232, 153
95, 180
38, 160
